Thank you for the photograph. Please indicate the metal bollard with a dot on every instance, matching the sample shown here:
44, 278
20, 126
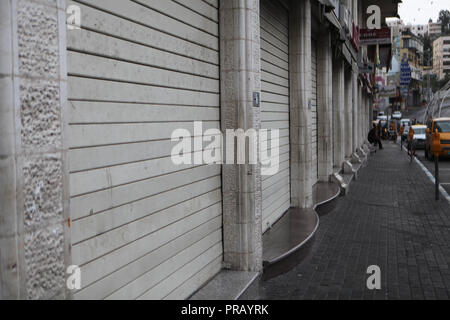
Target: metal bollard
436, 174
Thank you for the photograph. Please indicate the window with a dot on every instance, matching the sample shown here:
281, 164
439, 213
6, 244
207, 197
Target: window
419, 131
443, 126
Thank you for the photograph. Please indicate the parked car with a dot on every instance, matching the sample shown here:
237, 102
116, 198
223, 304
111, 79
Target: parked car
443, 127
420, 135
405, 122
397, 115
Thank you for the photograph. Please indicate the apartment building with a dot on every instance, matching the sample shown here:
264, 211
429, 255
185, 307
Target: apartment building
412, 49
434, 28
419, 29
86, 120
441, 57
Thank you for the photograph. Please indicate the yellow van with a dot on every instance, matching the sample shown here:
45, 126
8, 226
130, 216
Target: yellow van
442, 125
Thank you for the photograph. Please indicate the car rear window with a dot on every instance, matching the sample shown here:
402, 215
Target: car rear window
443, 126
419, 131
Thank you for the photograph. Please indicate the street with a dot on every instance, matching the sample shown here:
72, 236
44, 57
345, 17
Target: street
390, 219
218, 150
444, 163
444, 169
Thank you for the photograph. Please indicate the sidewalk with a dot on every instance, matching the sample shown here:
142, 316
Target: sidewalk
389, 219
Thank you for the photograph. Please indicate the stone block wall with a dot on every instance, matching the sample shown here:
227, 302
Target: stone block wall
34, 236
240, 69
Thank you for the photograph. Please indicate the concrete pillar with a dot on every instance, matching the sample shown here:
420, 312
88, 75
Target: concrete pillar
240, 78
366, 122
338, 112
325, 106
363, 116
348, 142
300, 103
370, 112
34, 205
360, 115
354, 110
366, 117
355, 11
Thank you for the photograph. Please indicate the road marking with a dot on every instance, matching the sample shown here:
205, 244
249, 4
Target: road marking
433, 180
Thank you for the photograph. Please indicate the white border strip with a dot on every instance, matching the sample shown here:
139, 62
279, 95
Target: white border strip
431, 177
428, 173
257, 274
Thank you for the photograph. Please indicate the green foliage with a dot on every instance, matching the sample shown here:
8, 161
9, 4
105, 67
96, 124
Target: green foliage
437, 85
444, 17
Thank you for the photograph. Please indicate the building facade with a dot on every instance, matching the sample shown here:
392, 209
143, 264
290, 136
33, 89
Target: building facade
434, 29
412, 49
88, 114
441, 57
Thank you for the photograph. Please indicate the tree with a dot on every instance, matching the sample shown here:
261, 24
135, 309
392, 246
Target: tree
444, 17
427, 51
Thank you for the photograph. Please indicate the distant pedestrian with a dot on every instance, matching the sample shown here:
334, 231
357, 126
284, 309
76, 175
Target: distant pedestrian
374, 136
394, 132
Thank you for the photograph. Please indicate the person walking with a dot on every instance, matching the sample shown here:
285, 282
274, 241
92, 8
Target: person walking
372, 136
411, 142
378, 131
394, 131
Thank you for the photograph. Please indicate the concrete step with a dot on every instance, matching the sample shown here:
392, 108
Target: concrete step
227, 285
289, 239
348, 178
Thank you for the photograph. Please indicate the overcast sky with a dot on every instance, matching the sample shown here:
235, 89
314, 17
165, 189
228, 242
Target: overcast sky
420, 11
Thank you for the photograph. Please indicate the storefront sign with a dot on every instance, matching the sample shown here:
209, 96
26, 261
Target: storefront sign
405, 72
375, 36
387, 91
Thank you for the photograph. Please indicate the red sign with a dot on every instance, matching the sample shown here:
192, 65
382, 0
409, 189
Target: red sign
375, 36
355, 37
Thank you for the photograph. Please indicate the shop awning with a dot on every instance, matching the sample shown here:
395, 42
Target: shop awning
328, 4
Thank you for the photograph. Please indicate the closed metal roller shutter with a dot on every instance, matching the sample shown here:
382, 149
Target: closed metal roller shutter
142, 227
276, 192
315, 144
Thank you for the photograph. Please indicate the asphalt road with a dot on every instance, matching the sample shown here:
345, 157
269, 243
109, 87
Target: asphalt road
444, 164
444, 169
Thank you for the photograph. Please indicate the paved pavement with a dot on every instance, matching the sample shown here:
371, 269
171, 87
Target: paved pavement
389, 219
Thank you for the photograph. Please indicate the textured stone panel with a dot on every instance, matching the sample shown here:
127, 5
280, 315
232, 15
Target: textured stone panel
38, 39
43, 191
40, 114
240, 77
44, 259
